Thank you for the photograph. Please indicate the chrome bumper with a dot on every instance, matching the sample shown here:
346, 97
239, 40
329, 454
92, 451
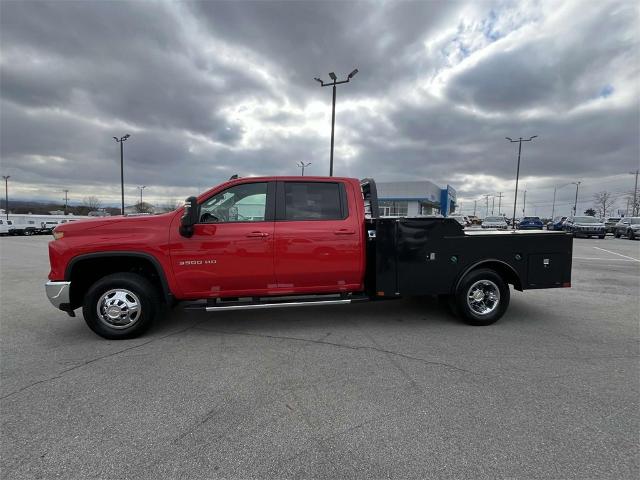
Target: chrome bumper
58, 292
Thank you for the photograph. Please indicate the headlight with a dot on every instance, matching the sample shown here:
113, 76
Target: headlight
57, 235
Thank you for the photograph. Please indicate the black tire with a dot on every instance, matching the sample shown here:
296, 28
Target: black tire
616, 234
147, 297
601, 237
464, 289
631, 235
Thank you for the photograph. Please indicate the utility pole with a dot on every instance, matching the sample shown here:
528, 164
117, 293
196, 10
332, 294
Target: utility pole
486, 197
333, 109
499, 202
303, 165
141, 187
474, 207
515, 201
575, 204
635, 208
524, 204
66, 200
493, 203
121, 142
6, 194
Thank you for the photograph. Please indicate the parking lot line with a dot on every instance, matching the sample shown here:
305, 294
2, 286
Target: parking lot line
619, 254
600, 258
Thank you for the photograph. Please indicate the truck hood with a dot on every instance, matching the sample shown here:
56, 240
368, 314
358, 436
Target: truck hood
118, 222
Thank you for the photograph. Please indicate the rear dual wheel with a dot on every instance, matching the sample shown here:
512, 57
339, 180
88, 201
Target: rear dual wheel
482, 297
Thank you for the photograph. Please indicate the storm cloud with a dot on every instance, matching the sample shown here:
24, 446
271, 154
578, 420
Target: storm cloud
211, 89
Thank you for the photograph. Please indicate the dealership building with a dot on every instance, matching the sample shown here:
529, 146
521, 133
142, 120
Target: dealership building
410, 199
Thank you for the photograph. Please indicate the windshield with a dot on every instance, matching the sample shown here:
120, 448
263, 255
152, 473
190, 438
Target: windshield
586, 220
494, 219
635, 220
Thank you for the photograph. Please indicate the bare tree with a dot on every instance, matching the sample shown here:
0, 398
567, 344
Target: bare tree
92, 203
603, 202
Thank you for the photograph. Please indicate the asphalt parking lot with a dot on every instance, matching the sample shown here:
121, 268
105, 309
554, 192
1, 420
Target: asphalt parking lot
376, 390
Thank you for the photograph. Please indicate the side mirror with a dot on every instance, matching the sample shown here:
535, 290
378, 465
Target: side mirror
190, 217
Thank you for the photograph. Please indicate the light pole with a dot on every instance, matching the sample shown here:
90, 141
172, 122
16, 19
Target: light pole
634, 209
303, 165
121, 141
555, 189
333, 110
141, 187
515, 201
524, 204
66, 200
575, 204
6, 194
499, 202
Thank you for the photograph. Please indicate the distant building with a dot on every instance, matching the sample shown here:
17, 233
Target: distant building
415, 198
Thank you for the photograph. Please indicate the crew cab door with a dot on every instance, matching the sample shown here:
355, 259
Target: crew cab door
318, 238
231, 251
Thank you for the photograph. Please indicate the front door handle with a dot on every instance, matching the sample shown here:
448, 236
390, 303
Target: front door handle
344, 231
257, 234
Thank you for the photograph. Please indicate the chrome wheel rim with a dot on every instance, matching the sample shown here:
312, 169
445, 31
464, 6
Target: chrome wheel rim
483, 297
119, 308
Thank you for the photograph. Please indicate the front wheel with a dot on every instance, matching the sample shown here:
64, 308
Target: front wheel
631, 235
121, 305
482, 297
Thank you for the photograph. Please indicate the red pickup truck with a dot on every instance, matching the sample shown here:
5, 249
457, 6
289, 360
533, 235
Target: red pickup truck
264, 242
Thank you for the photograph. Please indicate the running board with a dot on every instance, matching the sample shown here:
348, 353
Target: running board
257, 306
259, 303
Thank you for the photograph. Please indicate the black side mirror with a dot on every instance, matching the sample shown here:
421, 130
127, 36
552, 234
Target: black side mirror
190, 217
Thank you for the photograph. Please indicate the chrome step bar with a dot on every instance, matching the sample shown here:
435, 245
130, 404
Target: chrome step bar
257, 306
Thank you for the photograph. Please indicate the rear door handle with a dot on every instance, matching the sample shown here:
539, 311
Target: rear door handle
344, 231
257, 234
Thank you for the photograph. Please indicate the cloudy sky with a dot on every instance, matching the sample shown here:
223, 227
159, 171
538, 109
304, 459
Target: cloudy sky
211, 89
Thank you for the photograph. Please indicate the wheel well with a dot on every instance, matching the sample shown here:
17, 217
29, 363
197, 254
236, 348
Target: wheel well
84, 272
507, 273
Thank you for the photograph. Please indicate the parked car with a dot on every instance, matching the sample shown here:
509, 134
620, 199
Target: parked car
610, 224
27, 229
47, 227
530, 223
585, 226
498, 223
460, 219
5, 226
556, 223
628, 227
256, 243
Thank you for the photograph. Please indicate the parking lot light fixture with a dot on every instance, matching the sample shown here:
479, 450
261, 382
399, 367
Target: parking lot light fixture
121, 141
515, 201
6, 194
333, 84
303, 165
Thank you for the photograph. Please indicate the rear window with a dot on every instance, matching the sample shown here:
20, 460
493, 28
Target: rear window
531, 218
493, 219
313, 201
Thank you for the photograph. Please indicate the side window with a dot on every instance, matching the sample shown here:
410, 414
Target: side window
314, 201
241, 203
